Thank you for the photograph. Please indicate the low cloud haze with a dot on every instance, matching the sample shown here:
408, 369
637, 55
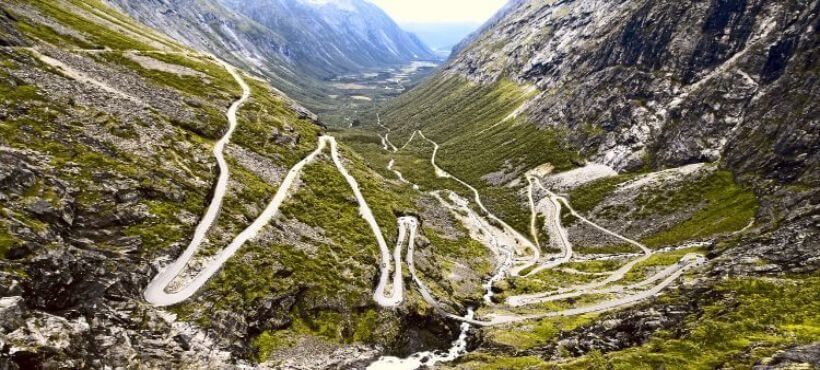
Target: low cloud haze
440, 11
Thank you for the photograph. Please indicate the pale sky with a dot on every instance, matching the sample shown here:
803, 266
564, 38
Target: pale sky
440, 11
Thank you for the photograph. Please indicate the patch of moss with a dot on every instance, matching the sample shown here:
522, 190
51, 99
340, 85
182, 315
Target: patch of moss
655, 263
463, 249
538, 333
7, 241
485, 361
269, 342
545, 281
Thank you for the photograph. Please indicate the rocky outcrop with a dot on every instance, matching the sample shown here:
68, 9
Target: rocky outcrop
617, 332
296, 45
794, 358
661, 83
788, 249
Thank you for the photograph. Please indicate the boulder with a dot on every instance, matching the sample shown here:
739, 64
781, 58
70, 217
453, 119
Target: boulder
11, 313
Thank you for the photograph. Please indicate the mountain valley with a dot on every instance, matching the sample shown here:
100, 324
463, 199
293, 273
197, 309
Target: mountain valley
301, 184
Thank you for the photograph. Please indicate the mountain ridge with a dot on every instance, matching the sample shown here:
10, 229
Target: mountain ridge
302, 47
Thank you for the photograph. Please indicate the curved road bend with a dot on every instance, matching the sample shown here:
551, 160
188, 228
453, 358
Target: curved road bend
156, 294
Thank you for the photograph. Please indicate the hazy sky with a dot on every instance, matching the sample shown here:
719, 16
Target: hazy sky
440, 11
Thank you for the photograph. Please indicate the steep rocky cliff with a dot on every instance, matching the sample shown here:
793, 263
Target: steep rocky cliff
336, 36
296, 45
208, 26
664, 83
708, 95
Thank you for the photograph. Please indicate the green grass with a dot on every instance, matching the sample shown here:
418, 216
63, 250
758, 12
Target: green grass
537, 333
543, 281
358, 327
19, 93
727, 207
48, 34
413, 162
655, 263
268, 342
464, 248
749, 320
265, 113
743, 320
7, 241
594, 266
462, 116
584, 198
484, 361
470, 252
327, 326
720, 206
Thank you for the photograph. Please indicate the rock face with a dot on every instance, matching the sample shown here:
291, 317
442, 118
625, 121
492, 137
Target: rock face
9, 36
294, 44
335, 36
645, 86
795, 358
664, 82
618, 332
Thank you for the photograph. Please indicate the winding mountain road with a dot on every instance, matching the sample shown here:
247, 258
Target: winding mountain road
522, 243
507, 243
156, 292
551, 208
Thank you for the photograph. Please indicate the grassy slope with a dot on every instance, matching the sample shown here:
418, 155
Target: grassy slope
743, 320
460, 116
721, 206
324, 201
466, 120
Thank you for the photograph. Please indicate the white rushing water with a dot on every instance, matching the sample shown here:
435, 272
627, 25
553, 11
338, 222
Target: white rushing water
427, 358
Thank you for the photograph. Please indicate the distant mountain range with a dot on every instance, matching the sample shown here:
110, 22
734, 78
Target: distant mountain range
334, 36
441, 37
295, 43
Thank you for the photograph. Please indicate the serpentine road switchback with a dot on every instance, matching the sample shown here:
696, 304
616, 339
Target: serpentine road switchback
156, 291
514, 252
